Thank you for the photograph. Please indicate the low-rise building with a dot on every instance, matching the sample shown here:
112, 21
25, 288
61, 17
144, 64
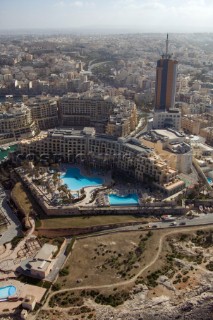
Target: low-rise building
207, 133
29, 302
194, 123
40, 266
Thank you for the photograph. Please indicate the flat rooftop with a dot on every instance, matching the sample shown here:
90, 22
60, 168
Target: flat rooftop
46, 252
167, 133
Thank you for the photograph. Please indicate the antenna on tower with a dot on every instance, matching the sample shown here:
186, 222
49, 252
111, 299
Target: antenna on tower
167, 45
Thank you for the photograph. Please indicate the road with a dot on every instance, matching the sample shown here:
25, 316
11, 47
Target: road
14, 226
202, 219
92, 66
58, 264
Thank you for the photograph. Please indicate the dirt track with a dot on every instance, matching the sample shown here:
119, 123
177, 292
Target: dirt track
132, 280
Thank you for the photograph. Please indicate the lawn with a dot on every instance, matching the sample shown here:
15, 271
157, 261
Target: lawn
82, 222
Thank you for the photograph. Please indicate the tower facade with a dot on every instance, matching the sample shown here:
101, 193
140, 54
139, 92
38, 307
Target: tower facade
165, 89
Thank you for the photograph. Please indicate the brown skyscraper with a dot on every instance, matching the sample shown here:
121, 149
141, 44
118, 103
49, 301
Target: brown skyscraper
165, 89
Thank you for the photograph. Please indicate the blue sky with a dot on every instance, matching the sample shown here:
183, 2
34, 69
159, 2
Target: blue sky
143, 15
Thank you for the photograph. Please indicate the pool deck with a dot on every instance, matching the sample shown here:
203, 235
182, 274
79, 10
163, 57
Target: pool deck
22, 290
46, 197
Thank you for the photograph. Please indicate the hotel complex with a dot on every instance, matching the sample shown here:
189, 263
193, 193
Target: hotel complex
124, 154
95, 127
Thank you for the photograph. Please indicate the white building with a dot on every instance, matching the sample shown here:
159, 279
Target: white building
167, 119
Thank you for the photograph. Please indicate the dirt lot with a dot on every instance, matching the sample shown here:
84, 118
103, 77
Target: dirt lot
115, 258
110, 258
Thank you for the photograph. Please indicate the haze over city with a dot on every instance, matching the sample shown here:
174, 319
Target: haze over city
106, 159
108, 16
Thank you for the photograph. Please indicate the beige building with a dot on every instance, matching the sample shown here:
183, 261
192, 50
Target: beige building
40, 266
29, 302
171, 146
193, 124
16, 119
124, 154
44, 111
114, 116
208, 134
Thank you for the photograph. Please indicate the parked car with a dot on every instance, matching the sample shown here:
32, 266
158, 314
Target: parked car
182, 223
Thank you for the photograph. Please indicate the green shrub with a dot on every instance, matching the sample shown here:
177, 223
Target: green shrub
15, 241
63, 272
209, 266
56, 287
69, 246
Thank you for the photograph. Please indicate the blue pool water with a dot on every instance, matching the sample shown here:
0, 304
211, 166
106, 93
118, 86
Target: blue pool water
128, 200
209, 180
7, 291
76, 181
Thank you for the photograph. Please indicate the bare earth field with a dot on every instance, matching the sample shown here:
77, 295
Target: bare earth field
159, 274
110, 258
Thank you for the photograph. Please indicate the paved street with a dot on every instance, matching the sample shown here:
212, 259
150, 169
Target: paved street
14, 226
203, 219
59, 263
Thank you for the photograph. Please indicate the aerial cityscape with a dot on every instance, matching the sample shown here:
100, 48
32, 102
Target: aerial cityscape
106, 165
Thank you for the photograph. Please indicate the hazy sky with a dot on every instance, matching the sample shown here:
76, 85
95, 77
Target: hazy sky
143, 15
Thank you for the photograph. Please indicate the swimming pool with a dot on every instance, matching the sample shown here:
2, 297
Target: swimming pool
4, 153
128, 200
75, 180
7, 291
209, 180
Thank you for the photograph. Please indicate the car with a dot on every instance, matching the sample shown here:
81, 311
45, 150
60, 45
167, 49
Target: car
154, 226
182, 223
173, 224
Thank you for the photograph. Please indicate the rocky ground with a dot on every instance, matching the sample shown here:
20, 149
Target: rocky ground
197, 305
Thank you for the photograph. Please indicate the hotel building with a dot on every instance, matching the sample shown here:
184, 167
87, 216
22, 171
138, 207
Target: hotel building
44, 111
114, 116
16, 120
124, 154
172, 146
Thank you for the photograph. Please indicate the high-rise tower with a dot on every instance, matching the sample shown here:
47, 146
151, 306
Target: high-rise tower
165, 89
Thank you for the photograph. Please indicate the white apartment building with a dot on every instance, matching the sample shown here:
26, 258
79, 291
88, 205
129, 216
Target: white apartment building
167, 119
